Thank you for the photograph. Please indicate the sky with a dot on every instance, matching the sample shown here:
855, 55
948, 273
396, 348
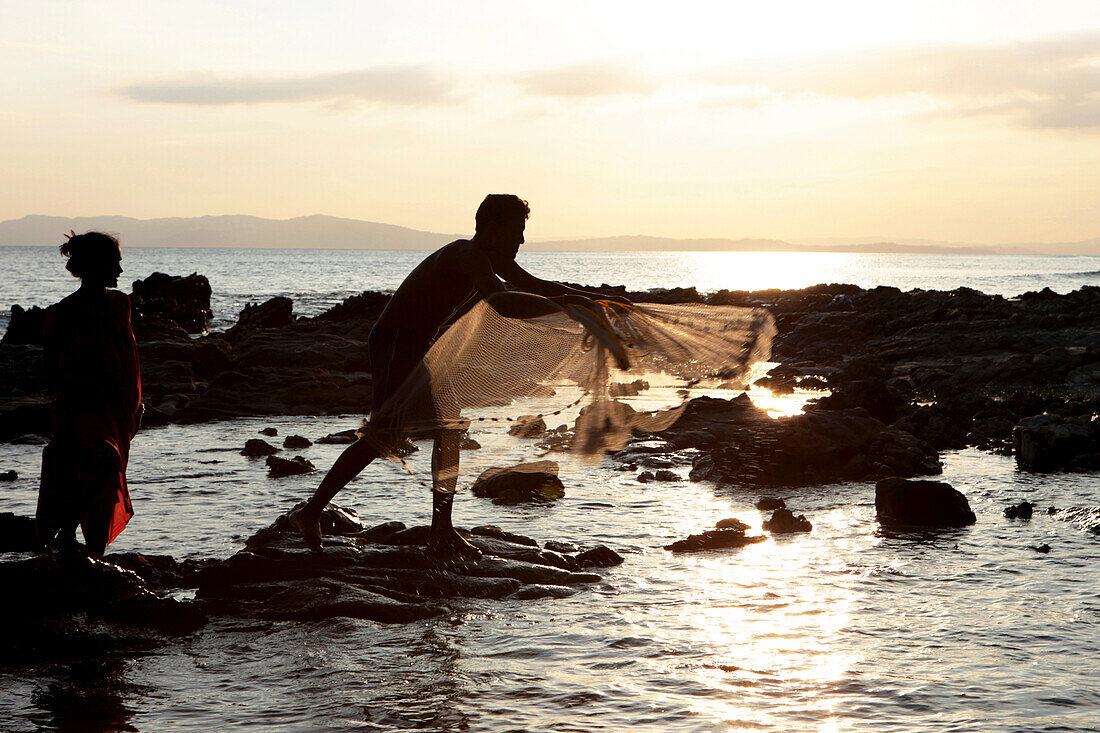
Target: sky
951, 121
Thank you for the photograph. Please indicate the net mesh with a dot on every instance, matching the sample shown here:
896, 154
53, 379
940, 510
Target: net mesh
489, 368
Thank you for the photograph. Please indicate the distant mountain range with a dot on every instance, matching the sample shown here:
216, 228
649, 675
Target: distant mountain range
337, 233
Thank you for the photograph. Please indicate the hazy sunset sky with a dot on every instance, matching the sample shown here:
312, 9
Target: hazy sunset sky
958, 121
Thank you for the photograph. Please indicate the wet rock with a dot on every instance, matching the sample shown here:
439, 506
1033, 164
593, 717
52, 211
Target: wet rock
628, 389
281, 467
567, 548
732, 523
380, 532
1043, 548
182, 301
296, 442
276, 577
491, 530
536, 482
714, 539
276, 312
900, 502
662, 475
344, 437
1048, 442
770, 504
103, 591
18, 534
528, 426
534, 592
599, 556
783, 521
1023, 510
269, 432
25, 326
257, 448
469, 443
8, 475
160, 572
743, 445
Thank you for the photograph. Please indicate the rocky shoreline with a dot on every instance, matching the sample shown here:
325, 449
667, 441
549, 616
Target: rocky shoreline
900, 376
907, 374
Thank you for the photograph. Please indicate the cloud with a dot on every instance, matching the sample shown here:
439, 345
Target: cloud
591, 79
396, 85
1051, 82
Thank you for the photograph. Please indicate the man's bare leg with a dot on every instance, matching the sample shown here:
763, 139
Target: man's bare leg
351, 462
443, 541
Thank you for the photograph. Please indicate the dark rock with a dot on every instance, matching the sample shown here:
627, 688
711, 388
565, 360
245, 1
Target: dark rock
469, 443
160, 572
599, 556
280, 467
380, 532
8, 475
1043, 548
524, 483
528, 426
783, 521
628, 389
714, 539
46, 588
256, 448
743, 445
566, 548
490, 530
1023, 510
269, 432
645, 477
25, 326
183, 301
1047, 442
900, 502
770, 504
18, 534
275, 577
296, 442
344, 437
732, 523
274, 313
534, 592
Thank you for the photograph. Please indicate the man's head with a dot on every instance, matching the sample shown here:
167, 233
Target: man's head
500, 221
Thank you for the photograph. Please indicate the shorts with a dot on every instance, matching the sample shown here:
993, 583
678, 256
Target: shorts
394, 353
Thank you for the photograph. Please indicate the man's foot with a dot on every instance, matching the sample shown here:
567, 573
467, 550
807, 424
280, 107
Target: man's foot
448, 547
308, 525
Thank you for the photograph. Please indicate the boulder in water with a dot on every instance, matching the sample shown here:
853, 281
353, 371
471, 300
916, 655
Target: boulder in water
257, 448
714, 539
281, 467
783, 521
904, 502
523, 483
296, 442
1023, 510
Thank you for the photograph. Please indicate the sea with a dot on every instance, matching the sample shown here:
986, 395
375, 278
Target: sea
846, 628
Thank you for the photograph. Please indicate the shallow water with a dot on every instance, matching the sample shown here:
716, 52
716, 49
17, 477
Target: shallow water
846, 628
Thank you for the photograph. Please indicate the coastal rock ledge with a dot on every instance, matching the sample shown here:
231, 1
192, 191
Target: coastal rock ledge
382, 573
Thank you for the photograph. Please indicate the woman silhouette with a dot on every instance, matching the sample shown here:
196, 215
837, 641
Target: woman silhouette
91, 360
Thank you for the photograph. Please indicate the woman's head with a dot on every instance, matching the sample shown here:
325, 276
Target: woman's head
94, 257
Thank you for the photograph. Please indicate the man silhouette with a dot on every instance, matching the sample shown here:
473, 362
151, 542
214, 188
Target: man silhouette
440, 287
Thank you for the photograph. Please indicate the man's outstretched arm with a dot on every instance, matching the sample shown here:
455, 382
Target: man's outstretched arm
516, 275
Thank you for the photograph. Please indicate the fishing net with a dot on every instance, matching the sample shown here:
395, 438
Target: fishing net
595, 367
